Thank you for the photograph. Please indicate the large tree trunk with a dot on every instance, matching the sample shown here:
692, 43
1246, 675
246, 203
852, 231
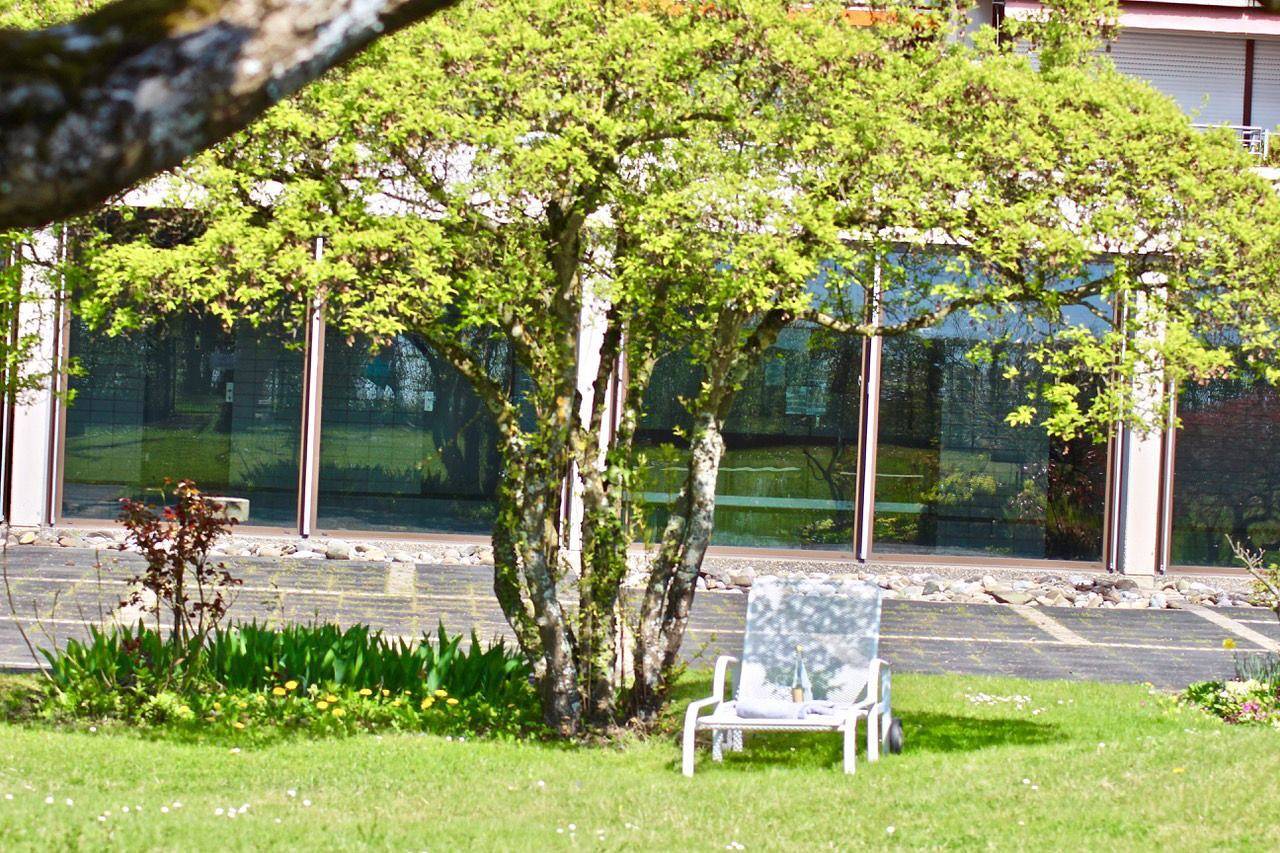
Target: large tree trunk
604, 552
92, 107
607, 533
508, 584
673, 573
673, 577
526, 571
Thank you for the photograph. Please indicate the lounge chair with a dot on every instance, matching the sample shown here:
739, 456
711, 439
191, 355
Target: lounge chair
808, 665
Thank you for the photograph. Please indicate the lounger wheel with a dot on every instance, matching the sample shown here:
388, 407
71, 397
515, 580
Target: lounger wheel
893, 736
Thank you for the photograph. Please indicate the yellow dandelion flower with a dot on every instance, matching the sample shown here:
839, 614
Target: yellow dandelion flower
331, 698
238, 724
365, 691
1228, 643
451, 701
442, 693
427, 703
291, 685
322, 704
386, 692
338, 712
278, 691
217, 706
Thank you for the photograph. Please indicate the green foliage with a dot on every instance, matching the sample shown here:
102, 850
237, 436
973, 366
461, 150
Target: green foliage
319, 679
694, 177
959, 488
253, 657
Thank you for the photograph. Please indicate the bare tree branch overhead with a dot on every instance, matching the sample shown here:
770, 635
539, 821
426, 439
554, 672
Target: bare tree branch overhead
92, 107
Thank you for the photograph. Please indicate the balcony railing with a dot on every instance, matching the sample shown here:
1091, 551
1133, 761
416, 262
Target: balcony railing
1256, 140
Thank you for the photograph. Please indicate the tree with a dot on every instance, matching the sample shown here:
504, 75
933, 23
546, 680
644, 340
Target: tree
676, 177
92, 106
502, 175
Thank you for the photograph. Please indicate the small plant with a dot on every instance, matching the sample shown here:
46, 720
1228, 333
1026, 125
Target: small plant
1264, 667
180, 580
1266, 576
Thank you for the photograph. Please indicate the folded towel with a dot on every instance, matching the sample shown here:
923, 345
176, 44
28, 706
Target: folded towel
781, 709
769, 709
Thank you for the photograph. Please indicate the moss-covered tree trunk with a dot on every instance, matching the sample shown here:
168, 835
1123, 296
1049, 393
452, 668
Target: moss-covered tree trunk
673, 573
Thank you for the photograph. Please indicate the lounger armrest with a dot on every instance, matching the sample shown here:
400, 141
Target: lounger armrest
879, 681
717, 691
722, 673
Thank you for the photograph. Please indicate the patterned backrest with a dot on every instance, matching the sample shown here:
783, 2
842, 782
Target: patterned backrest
834, 622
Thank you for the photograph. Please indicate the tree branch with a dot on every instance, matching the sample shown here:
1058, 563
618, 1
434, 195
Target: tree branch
92, 107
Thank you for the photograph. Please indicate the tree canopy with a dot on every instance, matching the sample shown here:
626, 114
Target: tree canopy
577, 180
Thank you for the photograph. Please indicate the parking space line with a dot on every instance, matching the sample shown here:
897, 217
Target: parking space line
1049, 625
1228, 624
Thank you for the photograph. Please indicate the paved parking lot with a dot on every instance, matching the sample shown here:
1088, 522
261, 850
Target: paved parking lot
1169, 648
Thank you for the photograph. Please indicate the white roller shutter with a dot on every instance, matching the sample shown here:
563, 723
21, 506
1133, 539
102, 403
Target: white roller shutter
1266, 84
1205, 75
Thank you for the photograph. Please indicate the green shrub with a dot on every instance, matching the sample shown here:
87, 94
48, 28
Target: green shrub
255, 681
1238, 701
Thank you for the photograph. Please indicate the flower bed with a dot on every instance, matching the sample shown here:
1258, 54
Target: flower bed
1253, 697
255, 683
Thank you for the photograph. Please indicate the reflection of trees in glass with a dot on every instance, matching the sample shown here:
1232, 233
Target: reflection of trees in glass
184, 398
1226, 472
791, 437
953, 475
405, 442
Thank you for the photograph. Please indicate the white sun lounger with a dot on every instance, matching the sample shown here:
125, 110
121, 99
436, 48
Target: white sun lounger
835, 624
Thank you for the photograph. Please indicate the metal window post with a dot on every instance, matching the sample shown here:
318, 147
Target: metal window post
868, 430
36, 417
1140, 487
312, 409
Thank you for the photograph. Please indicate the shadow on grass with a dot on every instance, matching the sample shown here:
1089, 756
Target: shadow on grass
931, 732
923, 732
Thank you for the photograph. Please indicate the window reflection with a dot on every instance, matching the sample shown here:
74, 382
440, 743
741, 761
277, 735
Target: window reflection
787, 477
1226, 478
187, 399
405, 443
952, 476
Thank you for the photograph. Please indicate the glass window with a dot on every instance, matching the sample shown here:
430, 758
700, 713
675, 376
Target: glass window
405, 444
1226, 479
952, 477
787, 478
190, 400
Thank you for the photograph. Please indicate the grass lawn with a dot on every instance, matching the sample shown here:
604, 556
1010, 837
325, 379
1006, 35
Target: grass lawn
1098, 766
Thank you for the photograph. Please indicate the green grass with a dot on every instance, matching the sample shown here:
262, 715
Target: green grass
1165, 777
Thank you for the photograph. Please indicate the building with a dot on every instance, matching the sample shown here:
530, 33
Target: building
889, 450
